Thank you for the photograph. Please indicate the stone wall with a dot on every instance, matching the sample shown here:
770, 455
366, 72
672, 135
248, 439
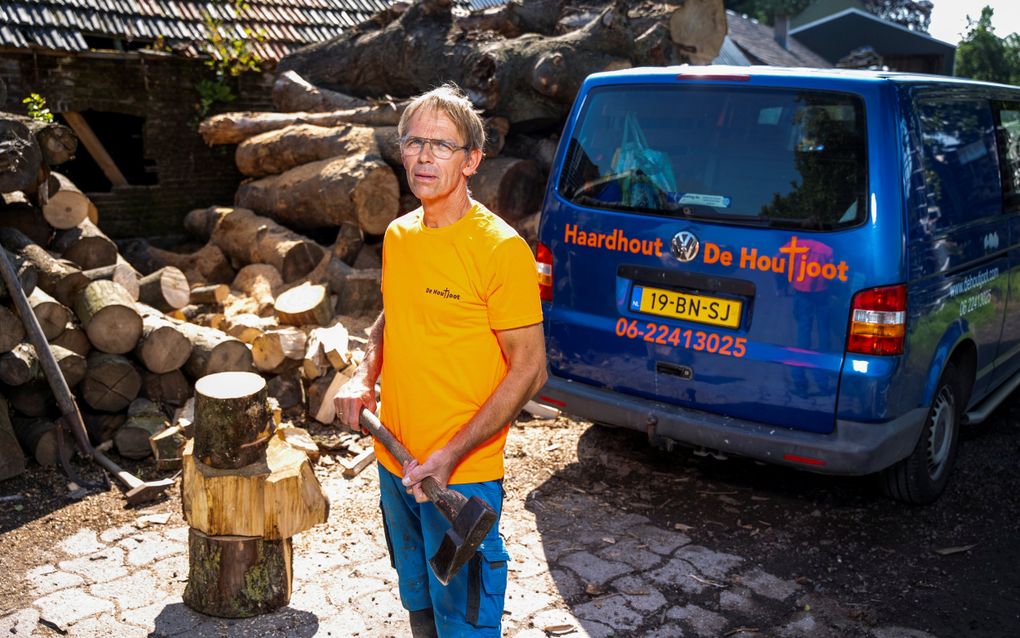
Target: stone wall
161, 89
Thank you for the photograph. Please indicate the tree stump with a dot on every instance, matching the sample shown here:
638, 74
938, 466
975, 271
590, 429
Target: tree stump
232, 424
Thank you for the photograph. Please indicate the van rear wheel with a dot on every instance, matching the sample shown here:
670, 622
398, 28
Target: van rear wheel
921, 477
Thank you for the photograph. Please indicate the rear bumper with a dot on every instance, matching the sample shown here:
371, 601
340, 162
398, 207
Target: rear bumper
852, 449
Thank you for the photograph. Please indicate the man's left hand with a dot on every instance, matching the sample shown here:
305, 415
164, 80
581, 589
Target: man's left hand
439, 465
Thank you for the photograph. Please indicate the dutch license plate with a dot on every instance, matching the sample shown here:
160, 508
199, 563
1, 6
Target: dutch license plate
713, 311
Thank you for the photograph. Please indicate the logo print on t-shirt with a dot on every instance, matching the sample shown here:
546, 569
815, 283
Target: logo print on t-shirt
444, 293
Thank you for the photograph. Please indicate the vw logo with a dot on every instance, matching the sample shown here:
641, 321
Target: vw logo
685, 246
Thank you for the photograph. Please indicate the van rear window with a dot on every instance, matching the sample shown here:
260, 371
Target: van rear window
785, 158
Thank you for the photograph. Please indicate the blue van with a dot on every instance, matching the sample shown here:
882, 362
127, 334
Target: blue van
815, 268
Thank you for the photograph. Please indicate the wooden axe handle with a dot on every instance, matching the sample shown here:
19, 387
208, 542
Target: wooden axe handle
448, 501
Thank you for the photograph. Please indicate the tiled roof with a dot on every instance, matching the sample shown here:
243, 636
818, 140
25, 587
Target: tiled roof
62, 25
757, 42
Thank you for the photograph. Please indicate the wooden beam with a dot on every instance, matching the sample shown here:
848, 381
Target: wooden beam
95, 147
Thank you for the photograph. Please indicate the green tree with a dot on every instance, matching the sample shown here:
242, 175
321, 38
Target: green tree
982, 55
913, 14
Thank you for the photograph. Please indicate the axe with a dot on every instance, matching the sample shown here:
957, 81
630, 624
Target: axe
471, 519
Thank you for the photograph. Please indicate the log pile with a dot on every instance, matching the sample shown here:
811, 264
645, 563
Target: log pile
330, 155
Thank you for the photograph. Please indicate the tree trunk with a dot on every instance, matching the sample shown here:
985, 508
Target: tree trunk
516, 18
212, 294
234, 128
303, 305
12, 331
232, 421
206, 265
38, 437
20, 157
109, 317
17, 212
74, 339
275, 348
354, 188
162, 348
53, 316
121, 272
61, 281
237, 576
86, 246
249, 238
165, 290
510, 187
111, 383
66, 207
170, 388
292, 93
274, 152
12, 460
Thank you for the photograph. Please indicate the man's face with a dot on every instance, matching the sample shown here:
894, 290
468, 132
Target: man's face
433, 179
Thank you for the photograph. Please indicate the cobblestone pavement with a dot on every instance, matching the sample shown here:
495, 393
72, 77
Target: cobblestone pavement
580, 568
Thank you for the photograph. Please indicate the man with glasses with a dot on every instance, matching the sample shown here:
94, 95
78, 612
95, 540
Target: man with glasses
464, 351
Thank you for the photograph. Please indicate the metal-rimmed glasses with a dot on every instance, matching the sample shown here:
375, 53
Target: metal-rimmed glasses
440, 149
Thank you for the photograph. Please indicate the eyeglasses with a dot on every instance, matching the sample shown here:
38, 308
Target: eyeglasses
440, 149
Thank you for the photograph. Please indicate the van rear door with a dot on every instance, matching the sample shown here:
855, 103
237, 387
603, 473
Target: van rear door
702, 237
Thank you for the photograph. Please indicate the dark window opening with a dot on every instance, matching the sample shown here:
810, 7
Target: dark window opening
122, 137
103, 43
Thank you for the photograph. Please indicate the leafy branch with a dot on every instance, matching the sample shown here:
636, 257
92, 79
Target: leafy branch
37, 110
231, 54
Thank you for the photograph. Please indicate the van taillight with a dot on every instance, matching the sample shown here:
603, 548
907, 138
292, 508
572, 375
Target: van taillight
878, 321
545, 269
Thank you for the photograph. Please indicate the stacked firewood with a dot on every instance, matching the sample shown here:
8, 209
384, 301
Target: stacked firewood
329, 157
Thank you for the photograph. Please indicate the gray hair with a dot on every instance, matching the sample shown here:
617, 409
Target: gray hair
450, 100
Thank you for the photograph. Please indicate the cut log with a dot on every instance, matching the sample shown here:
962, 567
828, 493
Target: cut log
132, 439
358, 290
275, 349
247, 327
292, 93
167, 446
121, 272
354, 188
34, 399
213, 351
61, 281
53, 316
212, 294
236, 576
207, 264
111, 383
259, 283
102, 426
510, 187
232, 421
20, 158
286, 388
12, 459
234, 128
12, 331
38, 438
200, 315
275, 497
66, 207
86, 246
515, 18
275, 152
72, 365
248, 238
348, 243
165, 290
162, 347
57, 143
540, 149
109, 317
74, 339
699, 26
170, 388
304, 305
20, 365
17, 212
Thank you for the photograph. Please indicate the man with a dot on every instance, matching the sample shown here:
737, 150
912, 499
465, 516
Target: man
464, 350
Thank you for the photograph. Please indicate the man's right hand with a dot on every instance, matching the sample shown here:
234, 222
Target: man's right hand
351, 398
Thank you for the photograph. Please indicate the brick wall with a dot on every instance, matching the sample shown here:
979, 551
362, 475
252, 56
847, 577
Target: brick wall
159, 88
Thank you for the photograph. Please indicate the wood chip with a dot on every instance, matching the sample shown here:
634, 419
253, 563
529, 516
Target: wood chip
152, 519
947, 551
705, 581
559, 630
682, 527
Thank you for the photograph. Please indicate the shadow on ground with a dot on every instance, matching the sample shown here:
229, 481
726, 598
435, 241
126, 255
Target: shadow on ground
179, 620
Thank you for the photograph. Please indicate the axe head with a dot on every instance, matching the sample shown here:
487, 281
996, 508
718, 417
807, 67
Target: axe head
148, 491
461, 541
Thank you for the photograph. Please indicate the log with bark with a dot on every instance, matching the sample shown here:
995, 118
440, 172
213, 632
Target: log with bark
276, 350
111, 382
20, 365
259, 283
53, 316
57, 143
60, 280
66, 206
21, 161
248, 238
12, 331
109, 316
213, 351
232, 421
166, 289
169, 389
121, 272
38, 438
510, 187
17, 212
355, 188
304, 305
292, 93
277, 151
102, 426
211, 294
234, 128
287, 389
33, 400
207, 264
162, 347
86, 246
12, 460
73, 338
247, 327
144, 420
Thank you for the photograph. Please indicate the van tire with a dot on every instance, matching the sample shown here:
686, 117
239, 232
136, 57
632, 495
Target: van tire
921, 477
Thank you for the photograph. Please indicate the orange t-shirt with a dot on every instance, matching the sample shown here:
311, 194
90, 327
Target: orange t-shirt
445, 293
